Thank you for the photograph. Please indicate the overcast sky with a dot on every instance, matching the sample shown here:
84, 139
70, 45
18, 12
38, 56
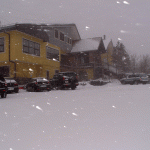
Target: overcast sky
127, 21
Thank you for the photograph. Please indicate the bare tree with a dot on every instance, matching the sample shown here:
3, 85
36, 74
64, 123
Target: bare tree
134, 61
144, 64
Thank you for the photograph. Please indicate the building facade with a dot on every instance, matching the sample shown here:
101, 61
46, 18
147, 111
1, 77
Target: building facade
31, 50
28, 50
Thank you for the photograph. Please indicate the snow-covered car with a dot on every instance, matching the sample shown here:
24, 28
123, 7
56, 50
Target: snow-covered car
135, 79
38, 84
12, 85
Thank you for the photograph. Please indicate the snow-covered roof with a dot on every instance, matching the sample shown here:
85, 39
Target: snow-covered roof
40, 30
89, 44
72, 30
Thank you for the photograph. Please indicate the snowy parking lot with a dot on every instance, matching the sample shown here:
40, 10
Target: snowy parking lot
108, 117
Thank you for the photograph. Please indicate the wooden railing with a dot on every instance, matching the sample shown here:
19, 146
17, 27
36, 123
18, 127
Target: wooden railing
83, 65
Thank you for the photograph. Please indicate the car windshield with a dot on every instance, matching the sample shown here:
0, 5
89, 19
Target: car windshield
130, 76
68, 74
74, 75
10, 80
143, 75
39, 80
55, 76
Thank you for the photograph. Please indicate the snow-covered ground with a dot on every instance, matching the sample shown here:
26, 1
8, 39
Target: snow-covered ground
108, 117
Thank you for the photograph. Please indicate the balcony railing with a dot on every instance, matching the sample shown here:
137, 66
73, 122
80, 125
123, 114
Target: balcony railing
83, 65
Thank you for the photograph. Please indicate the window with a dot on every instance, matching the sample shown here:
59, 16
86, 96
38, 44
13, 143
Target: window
69, 40
56, 34
86, 58
1, 44
62, 37
31, 47
82, 60
56, 71
52, 53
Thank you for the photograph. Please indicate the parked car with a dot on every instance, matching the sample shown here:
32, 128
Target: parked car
3, 87
65, 80
12, 85
135, 79
38, 84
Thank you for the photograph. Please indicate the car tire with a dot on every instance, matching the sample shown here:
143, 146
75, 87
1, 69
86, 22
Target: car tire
34, 90
16, 90
59, 87
136, 82
144, 82
131, 83
3, 95
73, 87
123, 82
49, 89
27, 88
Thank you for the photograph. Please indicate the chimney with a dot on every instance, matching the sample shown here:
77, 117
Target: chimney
104, 37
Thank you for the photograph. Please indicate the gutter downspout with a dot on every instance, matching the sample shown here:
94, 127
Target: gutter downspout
9, 56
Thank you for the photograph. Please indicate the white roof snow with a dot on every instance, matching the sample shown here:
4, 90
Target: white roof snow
86, 44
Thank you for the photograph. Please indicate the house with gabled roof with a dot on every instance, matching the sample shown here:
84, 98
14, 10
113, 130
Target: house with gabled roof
107, 64
85, 58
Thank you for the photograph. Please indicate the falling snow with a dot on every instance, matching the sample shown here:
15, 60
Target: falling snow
125, 2
37, 107
119, 39
87, 28
74, 114
122, 31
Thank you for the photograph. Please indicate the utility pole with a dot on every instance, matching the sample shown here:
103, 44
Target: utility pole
0, 25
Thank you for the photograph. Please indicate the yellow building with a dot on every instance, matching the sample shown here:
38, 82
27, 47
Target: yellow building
29, 50
107, 57
24, 56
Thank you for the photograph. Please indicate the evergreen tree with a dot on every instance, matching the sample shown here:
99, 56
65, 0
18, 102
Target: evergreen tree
121, 58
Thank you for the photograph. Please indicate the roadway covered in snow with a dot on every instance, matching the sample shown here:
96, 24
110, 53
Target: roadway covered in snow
108, 117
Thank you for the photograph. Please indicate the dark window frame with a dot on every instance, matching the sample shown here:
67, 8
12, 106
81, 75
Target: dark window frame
56, 34
2, 44
69, 40
62, 36
30, 47
52, 53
